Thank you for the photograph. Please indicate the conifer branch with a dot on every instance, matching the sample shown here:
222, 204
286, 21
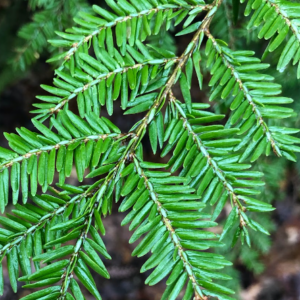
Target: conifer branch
37, 152
247, 95
101, 77
107, 59
126, 18
17, 238
279, 18
175, 239
197, 39
213, 164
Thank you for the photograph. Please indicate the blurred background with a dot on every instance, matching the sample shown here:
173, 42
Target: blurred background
270, 270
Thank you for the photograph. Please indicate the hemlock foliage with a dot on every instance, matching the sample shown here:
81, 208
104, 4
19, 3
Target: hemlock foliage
48, 17
52, 237
30, 44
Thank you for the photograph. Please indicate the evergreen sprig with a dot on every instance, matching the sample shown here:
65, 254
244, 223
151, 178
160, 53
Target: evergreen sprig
280, 21
48, 17
106, 60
